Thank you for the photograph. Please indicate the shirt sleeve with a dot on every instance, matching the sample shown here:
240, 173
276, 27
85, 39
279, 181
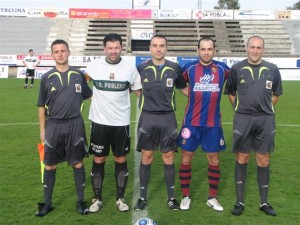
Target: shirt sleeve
43, 93
230, 86
86, 91
180, 81
136, 84
277, 86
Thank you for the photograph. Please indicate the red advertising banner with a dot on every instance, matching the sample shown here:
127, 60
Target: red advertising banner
89, 13
40, 57
110, 13
130, 14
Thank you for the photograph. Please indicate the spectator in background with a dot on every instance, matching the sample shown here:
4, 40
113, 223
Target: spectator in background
62, 129
202, 120
253, 88
30, 62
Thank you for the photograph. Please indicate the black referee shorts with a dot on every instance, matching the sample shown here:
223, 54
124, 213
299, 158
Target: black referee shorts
65, 141
157, 130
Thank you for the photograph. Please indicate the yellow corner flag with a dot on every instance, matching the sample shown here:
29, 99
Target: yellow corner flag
41, 154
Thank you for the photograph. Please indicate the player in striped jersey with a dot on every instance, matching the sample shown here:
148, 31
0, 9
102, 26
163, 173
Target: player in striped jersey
202, 120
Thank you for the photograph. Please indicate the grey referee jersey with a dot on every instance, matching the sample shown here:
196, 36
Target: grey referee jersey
62, 94
159, 83
254, 86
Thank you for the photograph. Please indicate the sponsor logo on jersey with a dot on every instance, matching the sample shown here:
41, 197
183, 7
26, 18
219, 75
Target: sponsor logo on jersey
97, 148
205, 84
104, 85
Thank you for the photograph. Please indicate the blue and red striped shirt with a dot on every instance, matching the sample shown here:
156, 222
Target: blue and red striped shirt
205, 90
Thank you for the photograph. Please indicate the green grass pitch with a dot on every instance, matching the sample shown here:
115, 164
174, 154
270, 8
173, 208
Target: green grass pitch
20, 187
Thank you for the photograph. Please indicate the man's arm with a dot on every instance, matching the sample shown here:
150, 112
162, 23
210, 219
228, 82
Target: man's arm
274, 100
137, 92
231, 99
185, 91
42, 121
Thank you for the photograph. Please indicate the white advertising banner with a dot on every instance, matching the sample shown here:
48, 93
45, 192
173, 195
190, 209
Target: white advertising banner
146, 4
289, 67
172, 14
282, 63
254, 15
3, 71
288, 74
39, 72
287, 63
141, 34
199, 14
81, 60
48, 12
13, 11
8, 60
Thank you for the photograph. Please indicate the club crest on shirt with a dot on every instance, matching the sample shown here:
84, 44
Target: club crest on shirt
111, 76
268, 84
78, 88
169, 82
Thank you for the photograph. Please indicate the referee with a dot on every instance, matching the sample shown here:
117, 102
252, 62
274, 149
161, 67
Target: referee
62, 129
157, 126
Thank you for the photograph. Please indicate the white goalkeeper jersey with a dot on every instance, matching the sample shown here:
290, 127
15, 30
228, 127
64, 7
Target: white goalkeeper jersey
111, 91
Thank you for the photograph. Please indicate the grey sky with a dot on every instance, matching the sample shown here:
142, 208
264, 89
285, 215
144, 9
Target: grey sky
127, 4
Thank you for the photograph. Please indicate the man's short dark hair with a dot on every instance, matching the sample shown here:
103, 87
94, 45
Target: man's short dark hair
112, 37
158, 36
60, 41
30, 50
206, 39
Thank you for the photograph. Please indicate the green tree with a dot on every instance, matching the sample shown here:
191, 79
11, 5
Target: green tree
296, 6
228, 4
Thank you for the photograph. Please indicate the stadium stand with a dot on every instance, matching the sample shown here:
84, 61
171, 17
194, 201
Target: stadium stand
73, 31
19, 34
293, 29
277, 41
85, 36
97, 29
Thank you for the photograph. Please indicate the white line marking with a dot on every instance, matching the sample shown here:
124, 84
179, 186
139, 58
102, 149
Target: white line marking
137, 159
135, 122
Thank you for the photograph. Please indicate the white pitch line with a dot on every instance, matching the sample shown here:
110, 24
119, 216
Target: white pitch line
135, 122
137, 159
